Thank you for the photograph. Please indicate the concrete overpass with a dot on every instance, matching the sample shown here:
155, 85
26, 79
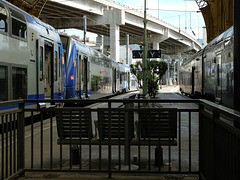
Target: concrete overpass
115, 22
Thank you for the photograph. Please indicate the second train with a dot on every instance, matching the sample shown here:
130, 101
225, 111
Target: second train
209, 73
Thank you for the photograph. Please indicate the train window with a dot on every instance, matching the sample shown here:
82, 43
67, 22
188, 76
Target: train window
4, 83
19, 83
96, 83
3, 19
55, 66
41, 63
19, 27
118, 74
59, 67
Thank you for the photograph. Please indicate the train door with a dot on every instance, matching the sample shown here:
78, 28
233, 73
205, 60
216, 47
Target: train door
48, 75
61, 80
78, 74
45, 64
219, 77
85, 77
114, 78
128, 76
56, 73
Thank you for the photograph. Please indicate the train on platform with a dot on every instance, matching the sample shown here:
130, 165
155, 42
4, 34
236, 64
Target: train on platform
37, 62
90, 74
209, 73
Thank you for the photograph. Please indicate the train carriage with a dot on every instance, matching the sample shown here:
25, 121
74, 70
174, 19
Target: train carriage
31, 65
103, 75
38, 63
90, 74
214, 65
191, 76
77, 60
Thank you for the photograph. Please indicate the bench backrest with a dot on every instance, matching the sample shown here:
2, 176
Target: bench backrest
75, 123
157, 123
120, 122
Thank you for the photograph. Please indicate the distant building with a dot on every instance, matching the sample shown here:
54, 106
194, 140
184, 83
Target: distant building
123, 53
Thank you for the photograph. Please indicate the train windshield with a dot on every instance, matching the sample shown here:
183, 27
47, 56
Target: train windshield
65, 42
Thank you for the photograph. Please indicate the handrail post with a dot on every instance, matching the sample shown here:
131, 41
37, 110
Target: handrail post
20, 138
127, 139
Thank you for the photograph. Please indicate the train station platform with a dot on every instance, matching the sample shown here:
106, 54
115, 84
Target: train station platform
166, 92
194, 152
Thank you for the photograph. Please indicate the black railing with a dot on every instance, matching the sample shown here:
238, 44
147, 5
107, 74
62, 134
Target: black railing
219, 142
197, 138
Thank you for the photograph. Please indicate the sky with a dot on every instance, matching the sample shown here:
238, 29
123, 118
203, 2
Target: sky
180, 13
183, 14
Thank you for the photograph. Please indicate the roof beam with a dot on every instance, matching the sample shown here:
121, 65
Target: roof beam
218, 16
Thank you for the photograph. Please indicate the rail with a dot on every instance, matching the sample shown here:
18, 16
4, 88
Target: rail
207, 143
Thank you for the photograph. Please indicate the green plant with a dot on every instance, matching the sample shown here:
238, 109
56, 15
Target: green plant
156, 70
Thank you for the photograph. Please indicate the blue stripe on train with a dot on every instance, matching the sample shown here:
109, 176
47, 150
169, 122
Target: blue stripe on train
33, 96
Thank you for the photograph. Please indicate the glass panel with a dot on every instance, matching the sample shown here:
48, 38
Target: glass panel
19, 28
99, 83
55, 68
4, 83
3, 19
41, 63
19, 83
60, 61
77, 70
17, 15
96, 82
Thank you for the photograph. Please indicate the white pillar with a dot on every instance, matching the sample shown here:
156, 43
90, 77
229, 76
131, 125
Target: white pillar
114, 41
127, 49
156, 47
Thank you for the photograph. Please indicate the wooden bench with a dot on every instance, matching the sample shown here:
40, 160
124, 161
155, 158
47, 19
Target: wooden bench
74, 123
156, 124
120, 121
155, 127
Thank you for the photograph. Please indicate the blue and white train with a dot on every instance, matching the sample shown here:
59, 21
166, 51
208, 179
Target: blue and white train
90, 74
209, 73
36, 63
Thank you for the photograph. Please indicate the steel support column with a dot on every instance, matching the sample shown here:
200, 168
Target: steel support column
236, 61
144, 61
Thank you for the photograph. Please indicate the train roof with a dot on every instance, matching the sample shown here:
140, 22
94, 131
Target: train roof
193, 57
221, 37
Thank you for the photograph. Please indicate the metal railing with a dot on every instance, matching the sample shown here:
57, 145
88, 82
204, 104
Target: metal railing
207, 143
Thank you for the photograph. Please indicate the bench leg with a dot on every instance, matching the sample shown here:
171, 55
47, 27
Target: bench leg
75, 155
158, 156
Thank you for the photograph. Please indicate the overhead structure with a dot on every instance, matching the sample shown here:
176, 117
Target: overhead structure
218, 16
33, 7
114, 22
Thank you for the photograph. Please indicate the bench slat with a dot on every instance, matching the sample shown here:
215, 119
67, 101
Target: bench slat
157, 123
163, 142
118, 123
80, 122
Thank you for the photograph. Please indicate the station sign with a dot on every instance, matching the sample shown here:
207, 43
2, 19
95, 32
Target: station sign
137, 54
